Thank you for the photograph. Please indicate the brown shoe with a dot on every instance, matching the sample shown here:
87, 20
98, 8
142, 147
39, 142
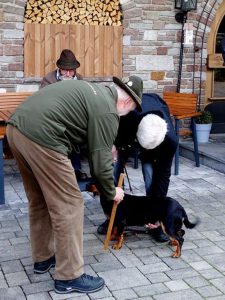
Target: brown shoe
91, 187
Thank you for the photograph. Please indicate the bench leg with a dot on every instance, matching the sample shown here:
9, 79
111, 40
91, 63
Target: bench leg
2, 192
194, 136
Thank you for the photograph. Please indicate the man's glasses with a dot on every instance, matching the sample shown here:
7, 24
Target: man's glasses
68, 73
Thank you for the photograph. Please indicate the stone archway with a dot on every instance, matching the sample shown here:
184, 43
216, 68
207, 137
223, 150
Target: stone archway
220, 14
215, 101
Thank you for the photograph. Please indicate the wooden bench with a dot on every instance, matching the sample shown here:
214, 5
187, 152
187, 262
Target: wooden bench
183, 106
8, 103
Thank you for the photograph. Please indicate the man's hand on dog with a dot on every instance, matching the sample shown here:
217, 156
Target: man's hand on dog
119, 195
152, 226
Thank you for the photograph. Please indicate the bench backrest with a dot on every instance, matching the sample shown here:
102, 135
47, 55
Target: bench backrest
10, 101
181, 103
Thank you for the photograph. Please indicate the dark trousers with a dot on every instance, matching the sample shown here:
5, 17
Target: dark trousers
76, 161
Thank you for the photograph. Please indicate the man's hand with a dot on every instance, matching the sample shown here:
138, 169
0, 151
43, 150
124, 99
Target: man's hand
119, 195
152, 226
114, 153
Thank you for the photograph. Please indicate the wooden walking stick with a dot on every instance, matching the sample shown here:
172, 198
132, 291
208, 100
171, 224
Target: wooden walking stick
112, 217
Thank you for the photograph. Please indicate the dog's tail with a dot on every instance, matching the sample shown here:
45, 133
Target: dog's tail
189, 224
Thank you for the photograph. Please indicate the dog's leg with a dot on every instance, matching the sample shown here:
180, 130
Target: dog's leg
118, 232
177, 252
174, 242
119, 243
114, 234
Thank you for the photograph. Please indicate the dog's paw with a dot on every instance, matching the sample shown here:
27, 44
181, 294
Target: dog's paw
116, 246
175, 255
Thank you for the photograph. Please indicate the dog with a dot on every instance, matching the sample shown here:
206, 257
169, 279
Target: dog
142, 210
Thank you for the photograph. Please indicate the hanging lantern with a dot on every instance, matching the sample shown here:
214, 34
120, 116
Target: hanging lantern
186, 5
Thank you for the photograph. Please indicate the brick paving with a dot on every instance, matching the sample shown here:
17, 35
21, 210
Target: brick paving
142, 269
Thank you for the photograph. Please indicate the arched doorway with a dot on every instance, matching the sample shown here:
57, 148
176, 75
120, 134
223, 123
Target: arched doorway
215, 77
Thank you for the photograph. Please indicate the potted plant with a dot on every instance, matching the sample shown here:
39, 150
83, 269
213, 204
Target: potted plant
203, 126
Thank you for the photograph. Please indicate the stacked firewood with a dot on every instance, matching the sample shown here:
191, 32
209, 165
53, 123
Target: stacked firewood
86, 12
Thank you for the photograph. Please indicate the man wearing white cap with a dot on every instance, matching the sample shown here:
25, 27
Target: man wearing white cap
157, 140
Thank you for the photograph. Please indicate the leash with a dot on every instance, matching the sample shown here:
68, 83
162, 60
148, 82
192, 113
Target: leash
123, 162
128, 179
113, 214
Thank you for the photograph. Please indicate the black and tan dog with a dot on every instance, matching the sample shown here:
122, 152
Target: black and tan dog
141, 210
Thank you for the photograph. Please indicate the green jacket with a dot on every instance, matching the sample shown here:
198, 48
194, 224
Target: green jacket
69, 113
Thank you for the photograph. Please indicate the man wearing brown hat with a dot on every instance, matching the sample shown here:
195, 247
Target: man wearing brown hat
67, 65
42, 133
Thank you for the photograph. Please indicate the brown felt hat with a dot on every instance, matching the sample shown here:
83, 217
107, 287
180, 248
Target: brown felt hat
133, 85
67, 60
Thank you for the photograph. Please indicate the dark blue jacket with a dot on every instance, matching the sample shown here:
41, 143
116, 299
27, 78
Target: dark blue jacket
162, 156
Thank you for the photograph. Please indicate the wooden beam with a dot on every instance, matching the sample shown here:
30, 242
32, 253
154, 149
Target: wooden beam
215, 61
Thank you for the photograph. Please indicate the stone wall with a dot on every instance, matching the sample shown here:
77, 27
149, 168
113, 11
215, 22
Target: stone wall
11, 45
151, 45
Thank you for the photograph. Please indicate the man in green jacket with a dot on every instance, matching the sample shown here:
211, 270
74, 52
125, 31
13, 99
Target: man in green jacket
42, 132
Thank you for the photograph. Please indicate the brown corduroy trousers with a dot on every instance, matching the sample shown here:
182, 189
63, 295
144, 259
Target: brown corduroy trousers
56, 205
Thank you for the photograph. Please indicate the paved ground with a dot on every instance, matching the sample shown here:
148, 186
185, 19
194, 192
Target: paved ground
143, 269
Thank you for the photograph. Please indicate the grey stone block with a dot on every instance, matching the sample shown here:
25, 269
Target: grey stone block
154, 268
11, 266
151, 290
196, 281
158, 277
125, 294
208, 291
176, 285
17, 278
211, 274
184, 295
39, 296
38, 287
3, 283
181, 273
118, 279
101, 267
12, 293
72, 296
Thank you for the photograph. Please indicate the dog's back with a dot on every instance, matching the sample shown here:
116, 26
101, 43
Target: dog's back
140, 210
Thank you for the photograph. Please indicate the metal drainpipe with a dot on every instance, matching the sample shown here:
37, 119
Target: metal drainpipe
184, 19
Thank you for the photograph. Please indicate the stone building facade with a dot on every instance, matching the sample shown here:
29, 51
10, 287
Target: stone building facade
151, 45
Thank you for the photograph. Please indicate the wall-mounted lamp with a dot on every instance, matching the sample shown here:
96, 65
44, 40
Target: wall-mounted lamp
185, 6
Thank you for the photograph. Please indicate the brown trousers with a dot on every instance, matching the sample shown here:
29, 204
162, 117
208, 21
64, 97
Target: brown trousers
56, 205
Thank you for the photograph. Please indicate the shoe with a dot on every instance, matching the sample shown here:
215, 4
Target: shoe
44, 266
158, 235
91, 187
102, 229
83, 284
81, 175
